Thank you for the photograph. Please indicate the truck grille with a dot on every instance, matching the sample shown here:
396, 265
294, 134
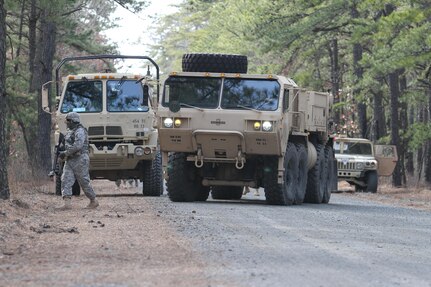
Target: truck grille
111, 163
100, 131
114, 130
347, 166
96, 131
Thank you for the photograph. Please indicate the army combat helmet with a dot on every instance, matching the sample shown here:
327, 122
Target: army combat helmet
73, 117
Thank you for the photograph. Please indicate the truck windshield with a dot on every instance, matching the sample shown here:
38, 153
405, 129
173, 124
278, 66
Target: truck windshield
250, 93
125, 96
83, 97
193, 91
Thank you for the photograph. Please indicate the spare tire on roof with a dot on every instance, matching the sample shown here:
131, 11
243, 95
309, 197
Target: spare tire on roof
218, 63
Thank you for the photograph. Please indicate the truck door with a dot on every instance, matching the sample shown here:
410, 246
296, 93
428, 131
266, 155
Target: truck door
387, 157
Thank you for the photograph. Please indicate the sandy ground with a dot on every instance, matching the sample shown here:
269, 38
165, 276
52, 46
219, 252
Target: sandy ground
124, 242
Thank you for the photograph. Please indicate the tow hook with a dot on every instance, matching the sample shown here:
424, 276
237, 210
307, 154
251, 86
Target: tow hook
240, 160
199, 159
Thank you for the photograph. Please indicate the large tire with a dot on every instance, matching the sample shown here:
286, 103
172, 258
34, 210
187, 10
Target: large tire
152, 184
302, 173
220, 63
184, 183
372, 181
317, 178
226, 192
329, 158
281, 194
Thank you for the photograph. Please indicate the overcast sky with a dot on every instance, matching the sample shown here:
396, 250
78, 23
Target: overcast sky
135, 28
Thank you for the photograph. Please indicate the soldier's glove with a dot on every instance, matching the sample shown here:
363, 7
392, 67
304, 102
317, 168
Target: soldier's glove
62, 155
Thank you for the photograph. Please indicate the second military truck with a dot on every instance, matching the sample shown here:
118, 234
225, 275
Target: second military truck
222, 129
118, 111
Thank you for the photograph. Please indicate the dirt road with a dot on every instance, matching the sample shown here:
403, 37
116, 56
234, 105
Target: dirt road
132, 240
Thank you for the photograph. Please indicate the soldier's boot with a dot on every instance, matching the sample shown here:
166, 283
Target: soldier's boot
93, 204
67, 204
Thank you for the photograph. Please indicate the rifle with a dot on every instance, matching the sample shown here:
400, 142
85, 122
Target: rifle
55, 170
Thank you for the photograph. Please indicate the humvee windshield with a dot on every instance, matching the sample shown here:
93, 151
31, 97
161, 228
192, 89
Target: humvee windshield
258, 94
353, 148
83, 96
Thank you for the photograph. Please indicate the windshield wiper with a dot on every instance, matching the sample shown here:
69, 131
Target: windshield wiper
248, 108
190, 106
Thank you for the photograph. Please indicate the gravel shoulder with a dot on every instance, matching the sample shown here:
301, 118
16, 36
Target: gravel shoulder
358, 239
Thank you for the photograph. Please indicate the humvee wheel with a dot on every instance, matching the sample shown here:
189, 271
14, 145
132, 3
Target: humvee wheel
181, 178
317, 178
281, 194
302, 174
372, 181
220, 63
226, 192
152, 184
329, 158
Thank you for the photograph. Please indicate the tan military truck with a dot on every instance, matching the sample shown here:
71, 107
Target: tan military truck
118, 111
360, 162
221, 129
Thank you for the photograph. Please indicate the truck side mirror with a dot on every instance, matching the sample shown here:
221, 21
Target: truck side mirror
45, 95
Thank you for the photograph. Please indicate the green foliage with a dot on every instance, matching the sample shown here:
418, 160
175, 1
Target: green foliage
418, 133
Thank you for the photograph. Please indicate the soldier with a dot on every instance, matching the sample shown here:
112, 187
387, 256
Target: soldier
77, 162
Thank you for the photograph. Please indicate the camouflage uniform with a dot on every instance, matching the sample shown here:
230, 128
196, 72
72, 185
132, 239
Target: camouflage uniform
77, 160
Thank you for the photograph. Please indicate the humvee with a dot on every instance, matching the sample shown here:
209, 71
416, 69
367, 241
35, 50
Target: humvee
118, 111
221, 129
360, 162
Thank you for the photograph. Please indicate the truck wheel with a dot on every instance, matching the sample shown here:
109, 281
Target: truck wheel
302, 173
202, 192
220, 63
180, 178
372, 181
329, 158
281, 194
317, 178
226, 192
152, 184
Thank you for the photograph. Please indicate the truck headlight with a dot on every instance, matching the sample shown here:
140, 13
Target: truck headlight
177, 123
256, 125
359, 165
168, 122
267, 126
139, 151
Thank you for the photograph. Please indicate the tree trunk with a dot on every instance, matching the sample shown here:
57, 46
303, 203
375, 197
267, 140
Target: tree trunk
428, 145
335, 78
410, 167
394, 91
21, 25
32, 22
358, 72
4, 183
379, 124
42, 69
46, 53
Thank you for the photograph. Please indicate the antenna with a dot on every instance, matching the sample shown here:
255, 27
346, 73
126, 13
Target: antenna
148, 71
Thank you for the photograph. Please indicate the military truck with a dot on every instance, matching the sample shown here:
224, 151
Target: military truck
221, 129
360, 162
118, 111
